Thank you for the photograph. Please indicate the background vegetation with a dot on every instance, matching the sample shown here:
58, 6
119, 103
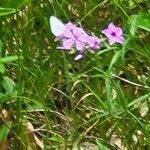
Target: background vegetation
49, 101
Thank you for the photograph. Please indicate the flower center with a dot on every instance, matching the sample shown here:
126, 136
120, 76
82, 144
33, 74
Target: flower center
113, 34
95, 43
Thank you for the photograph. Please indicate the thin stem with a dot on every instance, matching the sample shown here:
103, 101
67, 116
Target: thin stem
130, 82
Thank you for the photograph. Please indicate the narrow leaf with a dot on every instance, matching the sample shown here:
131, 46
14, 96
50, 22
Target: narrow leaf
114, 59
6, 11
9, 59
4, 130
2, 68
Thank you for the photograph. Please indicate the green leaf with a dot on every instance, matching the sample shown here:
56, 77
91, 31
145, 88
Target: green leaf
102, 147
4, 130
8, 85
2, 68
3, 97
114, 59
6, 11
108, 93
138, 1
132, 23
9, 59
141, 21
140, 99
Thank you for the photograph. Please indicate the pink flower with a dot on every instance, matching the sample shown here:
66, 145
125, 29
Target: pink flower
93, 42
114, 34
74, 36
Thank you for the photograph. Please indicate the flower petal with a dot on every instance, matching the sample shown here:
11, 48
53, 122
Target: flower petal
83, 38
107, 32
79, 56
111, 41
94, 42
120, 39
70, 25
118, 31
78, 31
79, 45
112, 27
67, 33
67, 44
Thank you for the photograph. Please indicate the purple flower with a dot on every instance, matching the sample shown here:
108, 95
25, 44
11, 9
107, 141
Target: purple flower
114, 34
93, 42
66, 33
76, 37
72, 37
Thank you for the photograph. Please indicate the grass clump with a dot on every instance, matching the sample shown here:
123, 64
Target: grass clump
49, 101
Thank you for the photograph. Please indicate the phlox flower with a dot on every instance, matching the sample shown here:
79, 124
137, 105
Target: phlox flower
76, 37
93, 42
114, 34
72, 36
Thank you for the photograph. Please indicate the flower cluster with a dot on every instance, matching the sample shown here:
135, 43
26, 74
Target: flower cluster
75, 37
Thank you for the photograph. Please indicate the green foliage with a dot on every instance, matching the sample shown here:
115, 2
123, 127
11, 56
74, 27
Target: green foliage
142, 21
102, 147
6, 11
55, 102
8, 85
2, 68
9, 59
4, 130
16, 3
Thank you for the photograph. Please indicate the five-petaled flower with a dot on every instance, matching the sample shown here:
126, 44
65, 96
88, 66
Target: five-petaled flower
114, 34
72, 37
